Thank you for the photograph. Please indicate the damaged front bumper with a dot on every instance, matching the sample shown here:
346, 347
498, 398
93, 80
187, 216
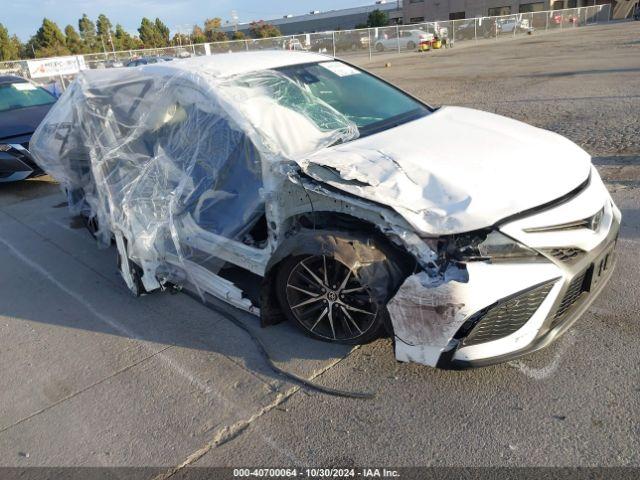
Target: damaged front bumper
506, 310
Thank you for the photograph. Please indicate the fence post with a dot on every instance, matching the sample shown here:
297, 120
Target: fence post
369, 35
398, 37
475, 29
246, 45
333, 40
546, 25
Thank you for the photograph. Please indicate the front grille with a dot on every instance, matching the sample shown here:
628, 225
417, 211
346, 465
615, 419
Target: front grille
507, 316
592, 223
576, 287
566, 255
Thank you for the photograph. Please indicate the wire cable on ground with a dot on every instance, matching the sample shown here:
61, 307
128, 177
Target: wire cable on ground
231, 315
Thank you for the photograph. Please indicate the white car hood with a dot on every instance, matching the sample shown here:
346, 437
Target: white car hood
455, 170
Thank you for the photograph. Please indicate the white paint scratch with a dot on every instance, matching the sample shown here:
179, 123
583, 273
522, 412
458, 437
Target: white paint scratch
548, 370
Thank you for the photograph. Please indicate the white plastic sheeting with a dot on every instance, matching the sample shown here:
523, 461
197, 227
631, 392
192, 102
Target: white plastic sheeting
144, 150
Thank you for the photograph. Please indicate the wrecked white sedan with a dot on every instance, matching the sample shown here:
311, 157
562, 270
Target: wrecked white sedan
292, 185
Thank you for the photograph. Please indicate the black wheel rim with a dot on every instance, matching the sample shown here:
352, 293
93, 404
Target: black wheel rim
329, 300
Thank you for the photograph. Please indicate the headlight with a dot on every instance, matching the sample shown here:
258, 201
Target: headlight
488, 246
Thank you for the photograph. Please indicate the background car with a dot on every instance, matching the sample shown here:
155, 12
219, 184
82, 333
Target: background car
409, 40
465, 29
508, 25
114, 64
344, 42
23, 105
183, 53
148, 60
294, 44
483, 27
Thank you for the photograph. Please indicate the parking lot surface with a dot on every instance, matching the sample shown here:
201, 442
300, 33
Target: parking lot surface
95, 377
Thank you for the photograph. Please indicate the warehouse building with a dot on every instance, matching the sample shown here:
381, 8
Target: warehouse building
415, 11
317, 21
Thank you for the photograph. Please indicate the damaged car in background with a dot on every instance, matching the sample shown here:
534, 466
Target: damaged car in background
295, 186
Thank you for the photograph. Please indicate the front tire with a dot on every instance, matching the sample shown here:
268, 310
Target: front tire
328, 300
379, 47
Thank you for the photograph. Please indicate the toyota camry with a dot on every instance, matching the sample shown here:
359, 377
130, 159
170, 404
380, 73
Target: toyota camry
297, 186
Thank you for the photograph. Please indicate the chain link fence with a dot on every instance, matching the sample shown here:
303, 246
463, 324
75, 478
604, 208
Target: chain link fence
366, 42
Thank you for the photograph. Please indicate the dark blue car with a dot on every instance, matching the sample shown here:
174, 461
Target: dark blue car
148, 60
23, 105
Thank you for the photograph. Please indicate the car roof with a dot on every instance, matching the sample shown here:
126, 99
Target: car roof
229, 64
206, 69
11, 79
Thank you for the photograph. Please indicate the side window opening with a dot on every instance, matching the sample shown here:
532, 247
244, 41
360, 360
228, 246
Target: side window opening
225, 169
259, 234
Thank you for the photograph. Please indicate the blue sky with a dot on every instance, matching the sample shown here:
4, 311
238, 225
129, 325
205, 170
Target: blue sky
23, 17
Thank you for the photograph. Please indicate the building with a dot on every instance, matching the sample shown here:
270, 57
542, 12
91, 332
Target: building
317, 21
416, 11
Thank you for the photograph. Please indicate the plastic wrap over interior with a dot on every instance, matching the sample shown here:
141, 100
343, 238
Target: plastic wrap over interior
146, 151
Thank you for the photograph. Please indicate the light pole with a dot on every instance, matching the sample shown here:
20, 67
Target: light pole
184, 28
234, 20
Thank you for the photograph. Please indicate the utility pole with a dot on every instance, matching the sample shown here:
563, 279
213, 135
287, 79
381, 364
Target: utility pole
234, 20
113, 49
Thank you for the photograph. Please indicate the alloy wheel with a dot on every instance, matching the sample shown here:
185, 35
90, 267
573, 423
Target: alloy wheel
329, 300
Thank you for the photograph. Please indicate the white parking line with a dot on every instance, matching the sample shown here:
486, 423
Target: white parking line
170, 362
122, 329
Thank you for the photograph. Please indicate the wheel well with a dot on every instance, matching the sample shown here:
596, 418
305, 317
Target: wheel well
330, 222
334, 221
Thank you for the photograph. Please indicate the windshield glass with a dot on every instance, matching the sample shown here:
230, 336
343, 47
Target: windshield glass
22, 95
363, 99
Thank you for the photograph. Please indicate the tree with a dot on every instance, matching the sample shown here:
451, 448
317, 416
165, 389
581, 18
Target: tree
163, 33
212, 30
49, 41
9, 49
105, 33
73, 40
122, 40
180, 39
149, 34
262, 29
87, 31
238, 36
198, 35
378, 18
103, 25
137, 43
18, 46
